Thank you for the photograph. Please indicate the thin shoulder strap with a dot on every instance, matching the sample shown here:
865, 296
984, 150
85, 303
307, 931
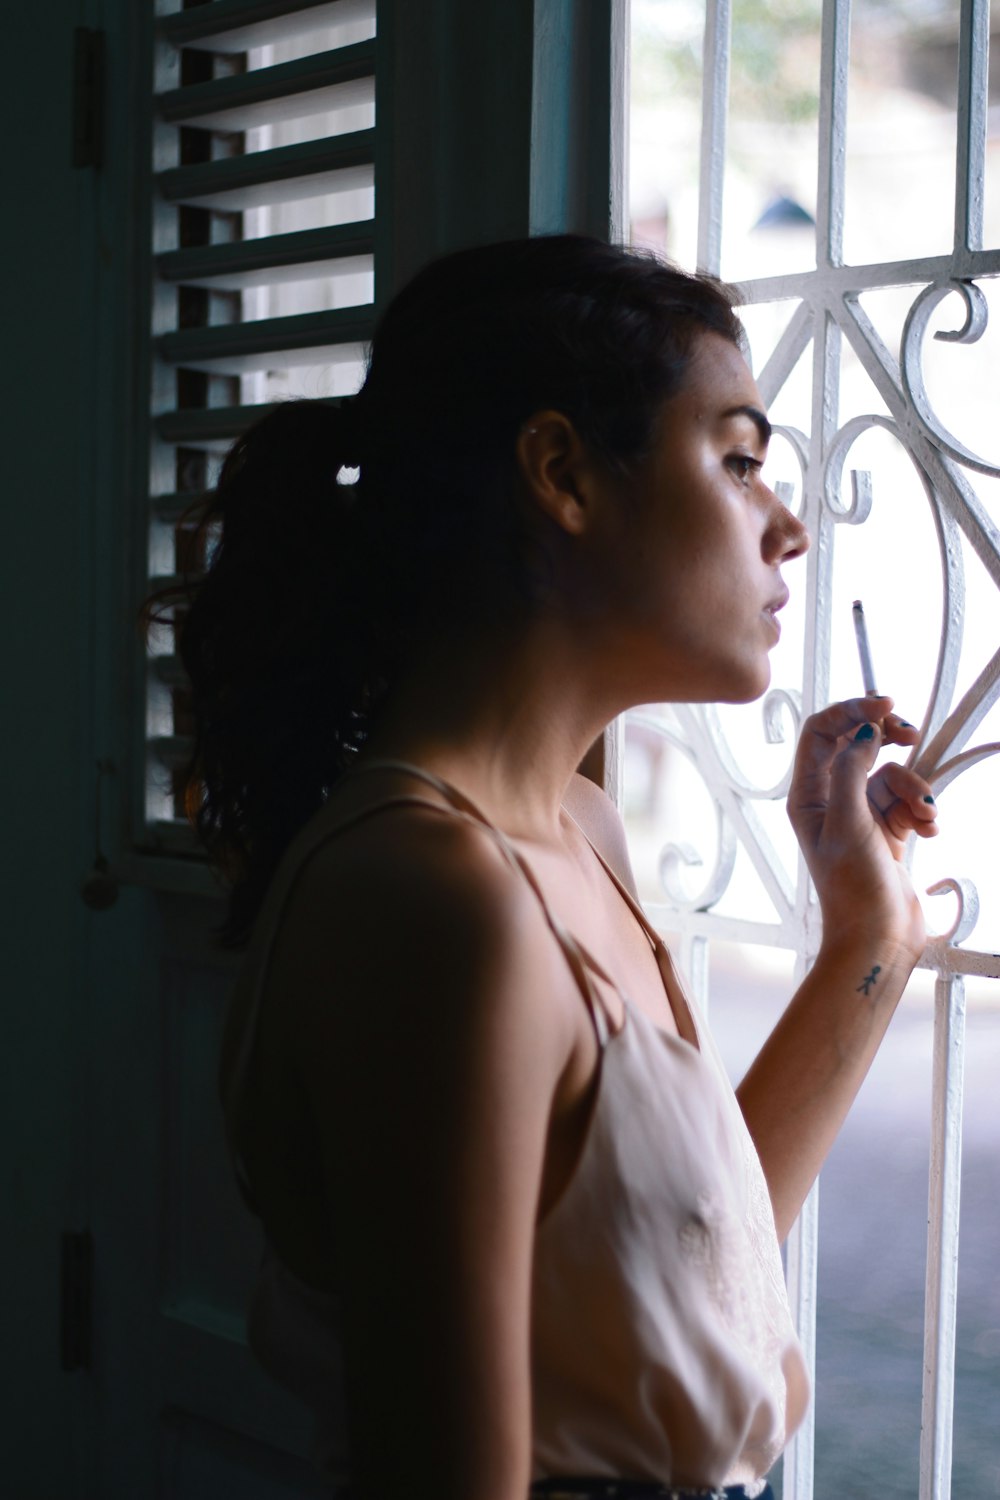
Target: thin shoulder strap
581, 963
676, 993
655, 940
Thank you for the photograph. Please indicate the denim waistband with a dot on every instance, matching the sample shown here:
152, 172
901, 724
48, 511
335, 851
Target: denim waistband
619, 1489
637, 1489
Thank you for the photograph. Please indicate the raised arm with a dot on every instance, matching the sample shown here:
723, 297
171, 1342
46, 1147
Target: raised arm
852, 829
431, 1054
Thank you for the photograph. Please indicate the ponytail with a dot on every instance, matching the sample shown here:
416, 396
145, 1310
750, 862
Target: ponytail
274, 644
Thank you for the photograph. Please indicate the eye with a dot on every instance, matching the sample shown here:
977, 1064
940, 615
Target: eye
744, 466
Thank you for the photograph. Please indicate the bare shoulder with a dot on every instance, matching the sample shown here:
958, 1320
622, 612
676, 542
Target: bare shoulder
600, 820
414, 926
411, 872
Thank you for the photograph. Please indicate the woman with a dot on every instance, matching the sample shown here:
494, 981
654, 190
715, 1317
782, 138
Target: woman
520, 1232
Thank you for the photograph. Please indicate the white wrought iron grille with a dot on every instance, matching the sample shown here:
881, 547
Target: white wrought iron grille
263, 240
877, 321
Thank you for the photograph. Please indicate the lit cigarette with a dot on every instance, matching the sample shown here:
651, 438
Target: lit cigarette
864, 650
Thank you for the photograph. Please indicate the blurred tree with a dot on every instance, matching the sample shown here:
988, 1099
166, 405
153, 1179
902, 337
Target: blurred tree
775, 56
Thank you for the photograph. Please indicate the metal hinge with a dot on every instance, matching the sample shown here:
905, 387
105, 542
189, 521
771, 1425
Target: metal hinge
76, 1262
88, 97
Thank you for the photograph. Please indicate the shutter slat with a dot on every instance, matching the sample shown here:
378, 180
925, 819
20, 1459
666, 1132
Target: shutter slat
330, 337
172, 750
180, 843
304, 170
170, 671
207, 426
172, 581
212, 426
169, 508
307, 85
236, 25
274, 258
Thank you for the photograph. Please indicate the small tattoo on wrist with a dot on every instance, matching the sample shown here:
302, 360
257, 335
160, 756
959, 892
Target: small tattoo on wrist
869, 980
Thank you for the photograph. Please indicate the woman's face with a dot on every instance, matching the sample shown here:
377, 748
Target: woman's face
698, 546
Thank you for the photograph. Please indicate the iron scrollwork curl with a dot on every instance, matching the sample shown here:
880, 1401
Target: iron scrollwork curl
677, 856
911, 360
967, 914
778, 707
799, 444
859, 510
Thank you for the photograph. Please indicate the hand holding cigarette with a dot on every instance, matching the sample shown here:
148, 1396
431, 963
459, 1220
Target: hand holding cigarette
904, 801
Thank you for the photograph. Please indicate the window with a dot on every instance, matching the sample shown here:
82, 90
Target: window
837, 163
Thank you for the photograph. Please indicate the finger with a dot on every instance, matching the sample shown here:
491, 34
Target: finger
843, 816
849, 811
899, 731
904, 801
822, 739
900, 822
837, 719
910, 787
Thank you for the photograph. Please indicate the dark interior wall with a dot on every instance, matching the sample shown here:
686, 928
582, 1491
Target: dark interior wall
76, 1109
47, 447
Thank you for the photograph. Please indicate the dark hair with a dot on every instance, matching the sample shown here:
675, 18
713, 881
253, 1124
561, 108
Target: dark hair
317, 584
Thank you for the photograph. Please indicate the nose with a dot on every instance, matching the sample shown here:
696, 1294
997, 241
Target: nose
787, 534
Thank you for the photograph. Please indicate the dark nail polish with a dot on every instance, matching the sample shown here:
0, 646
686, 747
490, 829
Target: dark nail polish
866, 732
905, 724
930, 800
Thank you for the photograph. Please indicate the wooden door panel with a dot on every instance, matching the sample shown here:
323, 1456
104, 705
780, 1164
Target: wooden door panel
225, 1428
202, 1461
211, 1244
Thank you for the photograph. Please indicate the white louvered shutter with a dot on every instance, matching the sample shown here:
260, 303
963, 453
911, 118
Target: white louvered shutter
263, 256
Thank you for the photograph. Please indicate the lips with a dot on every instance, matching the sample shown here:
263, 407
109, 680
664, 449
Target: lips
772, 607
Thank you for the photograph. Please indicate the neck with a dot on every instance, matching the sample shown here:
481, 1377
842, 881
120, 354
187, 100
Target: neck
507, 720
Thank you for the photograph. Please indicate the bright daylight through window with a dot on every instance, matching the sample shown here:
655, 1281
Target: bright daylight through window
843, 164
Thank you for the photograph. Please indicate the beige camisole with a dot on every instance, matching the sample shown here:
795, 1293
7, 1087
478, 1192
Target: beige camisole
662, 1345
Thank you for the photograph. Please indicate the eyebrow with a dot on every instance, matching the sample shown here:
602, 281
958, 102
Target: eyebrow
756, 416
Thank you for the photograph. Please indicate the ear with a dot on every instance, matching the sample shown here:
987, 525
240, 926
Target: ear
556, 470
